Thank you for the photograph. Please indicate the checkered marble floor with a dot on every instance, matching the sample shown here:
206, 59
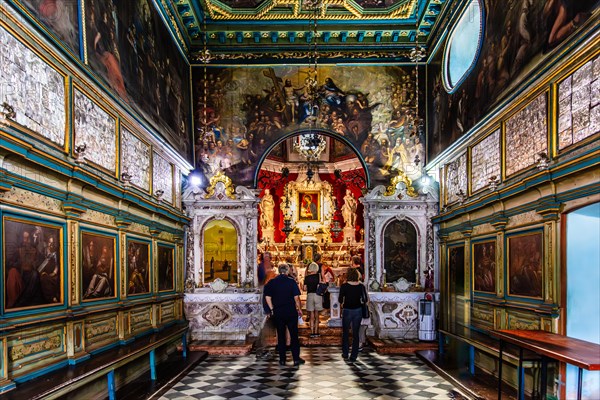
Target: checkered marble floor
324, 376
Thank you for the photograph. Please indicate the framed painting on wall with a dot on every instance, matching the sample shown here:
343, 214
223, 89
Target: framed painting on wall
484, 266
166, 267
308, 206
98, 266
33, 264
525, 265
138, 271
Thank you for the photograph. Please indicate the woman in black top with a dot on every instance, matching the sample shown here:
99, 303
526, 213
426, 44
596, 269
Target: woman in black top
350, 297
314, 303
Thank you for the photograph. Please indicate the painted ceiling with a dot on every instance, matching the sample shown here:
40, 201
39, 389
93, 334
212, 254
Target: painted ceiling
268, 30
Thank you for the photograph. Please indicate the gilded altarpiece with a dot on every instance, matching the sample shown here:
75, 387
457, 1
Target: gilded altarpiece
135, 159
33, 88
95, 132
526, 136
579, 104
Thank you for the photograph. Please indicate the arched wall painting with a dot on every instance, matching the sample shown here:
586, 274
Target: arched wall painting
400, 251
247, 109
220, 251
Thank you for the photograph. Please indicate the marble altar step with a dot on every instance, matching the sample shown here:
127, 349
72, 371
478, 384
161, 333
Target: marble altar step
400, 346
222, 347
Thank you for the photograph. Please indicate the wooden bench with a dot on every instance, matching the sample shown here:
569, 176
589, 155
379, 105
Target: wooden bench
487, 344
549, 346
67, 379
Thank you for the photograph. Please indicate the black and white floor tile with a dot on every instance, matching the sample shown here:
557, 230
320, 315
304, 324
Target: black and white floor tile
324, 376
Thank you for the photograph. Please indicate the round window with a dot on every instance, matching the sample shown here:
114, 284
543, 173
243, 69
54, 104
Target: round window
463, 46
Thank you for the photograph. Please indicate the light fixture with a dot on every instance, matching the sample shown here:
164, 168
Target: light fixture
126, 178
79, 151
543, 161
195, 179
7, 113
493, 182
158, 194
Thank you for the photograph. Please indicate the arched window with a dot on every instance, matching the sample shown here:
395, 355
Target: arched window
220, 251
400, 251
463, 46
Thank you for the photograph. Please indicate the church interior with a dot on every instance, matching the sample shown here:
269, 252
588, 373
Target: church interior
152, 152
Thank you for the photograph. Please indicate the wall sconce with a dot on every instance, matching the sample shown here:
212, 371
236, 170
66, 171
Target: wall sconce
126, 178
158, 194
7, 113
79, 151
461, 196
494, 181
543, 161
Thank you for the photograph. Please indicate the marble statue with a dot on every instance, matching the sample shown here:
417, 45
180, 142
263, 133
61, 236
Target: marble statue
267, 211
349, 209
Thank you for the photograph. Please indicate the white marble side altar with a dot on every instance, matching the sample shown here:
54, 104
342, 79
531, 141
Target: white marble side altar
395, 314
223, 316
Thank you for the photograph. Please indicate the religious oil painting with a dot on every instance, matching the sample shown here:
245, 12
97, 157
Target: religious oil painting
60, 16
400, 251
456, 270
138, 267
34, 89
33, 264
308, 206
220, 251
98, 266
166, 267
130, 48
484, 266
525, 262
248, 109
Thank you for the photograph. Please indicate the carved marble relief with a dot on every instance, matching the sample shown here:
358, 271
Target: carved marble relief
485, 161
162, 178
33, 88
456, 179
579, 104
96, 129
135, 159
526, 135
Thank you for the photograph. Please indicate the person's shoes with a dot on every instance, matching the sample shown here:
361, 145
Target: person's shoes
299, 361
352, 359
282, 362
345, 356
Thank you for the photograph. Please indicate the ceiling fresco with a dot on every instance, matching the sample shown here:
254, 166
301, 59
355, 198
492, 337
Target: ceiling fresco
260, 29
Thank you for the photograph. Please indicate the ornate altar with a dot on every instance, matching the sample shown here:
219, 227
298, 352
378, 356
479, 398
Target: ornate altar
400, 254
221, 246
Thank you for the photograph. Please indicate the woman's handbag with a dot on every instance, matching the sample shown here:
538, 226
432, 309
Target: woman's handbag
364, 303
322, 289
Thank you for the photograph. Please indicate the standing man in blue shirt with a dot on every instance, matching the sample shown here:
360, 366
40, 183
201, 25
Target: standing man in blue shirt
283, 298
